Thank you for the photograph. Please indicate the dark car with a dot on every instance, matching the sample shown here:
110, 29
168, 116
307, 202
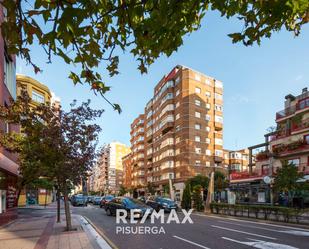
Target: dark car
159, 202
90, 199
79, 200
128, 204
142, 199
97, 200
106, 199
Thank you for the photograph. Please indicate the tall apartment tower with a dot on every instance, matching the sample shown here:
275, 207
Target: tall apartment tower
138, 152
110, 176
183, 125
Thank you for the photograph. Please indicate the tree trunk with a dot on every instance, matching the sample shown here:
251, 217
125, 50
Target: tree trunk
58, 205
67, 211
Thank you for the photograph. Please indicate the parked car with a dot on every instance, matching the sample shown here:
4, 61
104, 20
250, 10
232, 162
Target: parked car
90, 198
158, 202
97, 200
79, 200
128, 204
142, 199
106, 199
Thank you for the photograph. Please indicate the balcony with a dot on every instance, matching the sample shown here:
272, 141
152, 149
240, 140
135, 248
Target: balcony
218, 126
299, 146
296, 127
262, 156
167, 126
218, 159
302, 105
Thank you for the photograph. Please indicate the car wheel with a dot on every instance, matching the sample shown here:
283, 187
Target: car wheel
108, 212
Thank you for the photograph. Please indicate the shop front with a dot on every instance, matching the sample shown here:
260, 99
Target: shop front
8, 197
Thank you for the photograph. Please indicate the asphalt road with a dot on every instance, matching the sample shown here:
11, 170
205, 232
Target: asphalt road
208, 232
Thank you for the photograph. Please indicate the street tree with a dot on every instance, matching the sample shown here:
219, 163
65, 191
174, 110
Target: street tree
122, 191
201, 180
197, 198
87, 33
150, 188
54, 144
286, 180
186, 197
220, 182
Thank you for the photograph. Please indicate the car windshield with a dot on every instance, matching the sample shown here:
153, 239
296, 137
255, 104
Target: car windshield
130, 202
79, 198
168, 201
97, 198
109, 197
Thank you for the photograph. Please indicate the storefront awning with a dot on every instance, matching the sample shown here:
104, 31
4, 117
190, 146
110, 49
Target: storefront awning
8, 165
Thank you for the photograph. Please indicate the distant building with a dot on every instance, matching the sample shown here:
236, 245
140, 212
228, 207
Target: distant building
127, 170
39, 94
108, 173
236, 160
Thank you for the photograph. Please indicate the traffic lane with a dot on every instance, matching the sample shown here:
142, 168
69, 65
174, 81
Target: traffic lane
276, 233
176, 235
205, 232
108, 225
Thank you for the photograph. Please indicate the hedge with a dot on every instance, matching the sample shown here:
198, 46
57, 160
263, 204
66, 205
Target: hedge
267, 211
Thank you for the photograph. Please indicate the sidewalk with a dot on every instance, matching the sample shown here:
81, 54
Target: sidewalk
39, 230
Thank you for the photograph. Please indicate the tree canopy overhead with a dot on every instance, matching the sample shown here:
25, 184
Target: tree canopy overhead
87, 32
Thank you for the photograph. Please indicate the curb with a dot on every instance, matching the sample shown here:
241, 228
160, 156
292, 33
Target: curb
101, 233
8, 224
301, 226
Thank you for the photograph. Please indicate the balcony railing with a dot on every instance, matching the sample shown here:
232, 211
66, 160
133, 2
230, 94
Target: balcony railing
301, 125
301, 105
286, 112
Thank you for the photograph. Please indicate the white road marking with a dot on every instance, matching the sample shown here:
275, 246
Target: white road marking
262, 244
238, 231
294, 232
254, 222
191, 242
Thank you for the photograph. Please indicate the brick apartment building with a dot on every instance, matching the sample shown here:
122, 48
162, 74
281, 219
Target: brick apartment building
288, 143
107, 175
236, 160
180, 133
8, 161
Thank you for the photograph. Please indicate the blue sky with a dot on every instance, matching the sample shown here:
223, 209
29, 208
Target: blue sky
256, 79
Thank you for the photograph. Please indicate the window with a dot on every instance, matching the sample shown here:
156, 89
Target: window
198, 150
207, 117
177, 104
177, 152
208, 140
197, 77
10, 74
177, 116
177, 128
177, 92
197, 162
177, 80
37, 97
295, 162
207, 164
207, 128
197, 90
218, 119
218, 96
197, 114
208, 106
7, 127
219, 108
306, 138
197, 126
208, 152
197, 102
218, 84
218, 152
177, 140
208, 94
208, 82
197, 139
218, 141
